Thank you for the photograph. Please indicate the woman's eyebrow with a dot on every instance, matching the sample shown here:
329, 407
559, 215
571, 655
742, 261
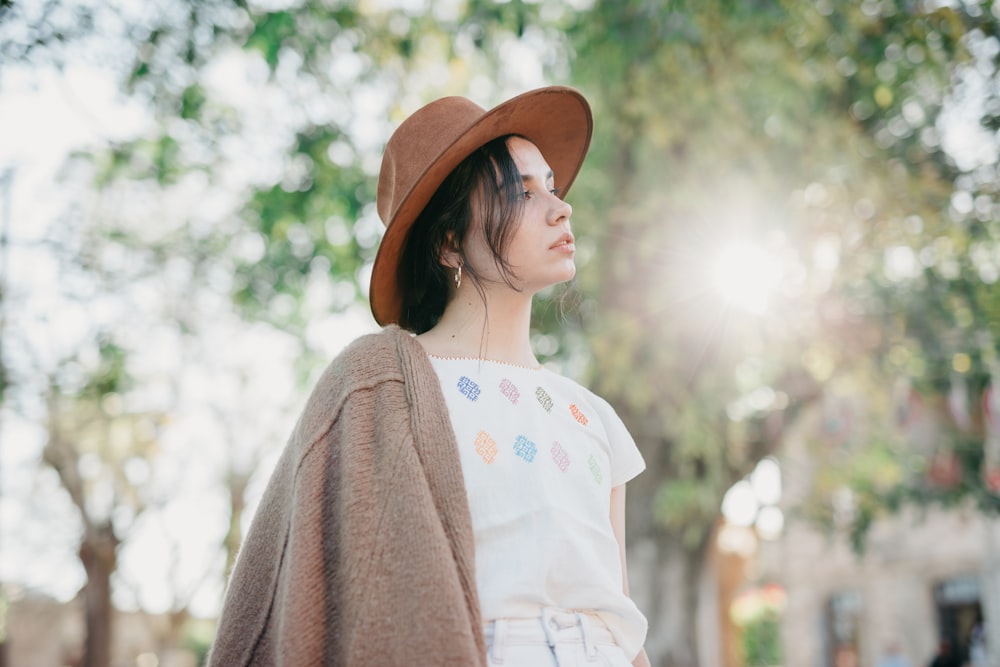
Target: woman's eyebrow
528, 177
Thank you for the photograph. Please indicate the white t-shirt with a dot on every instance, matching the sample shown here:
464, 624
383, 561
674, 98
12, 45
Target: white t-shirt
540, 455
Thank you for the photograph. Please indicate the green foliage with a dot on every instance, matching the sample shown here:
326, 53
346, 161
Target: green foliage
683, 98
797, 125
111, 374
856, 484
270, 34
871, 474
679, 504
761, 641
307, 229
192, 102
757, 615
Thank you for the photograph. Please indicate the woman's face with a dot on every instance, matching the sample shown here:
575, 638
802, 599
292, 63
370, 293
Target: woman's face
541, 248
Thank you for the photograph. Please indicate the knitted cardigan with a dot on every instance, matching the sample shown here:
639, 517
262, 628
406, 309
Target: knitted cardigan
361, 551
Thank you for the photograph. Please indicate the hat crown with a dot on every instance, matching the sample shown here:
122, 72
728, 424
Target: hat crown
419, 141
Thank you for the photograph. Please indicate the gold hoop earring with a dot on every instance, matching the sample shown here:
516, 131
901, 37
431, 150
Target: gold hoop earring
458, 276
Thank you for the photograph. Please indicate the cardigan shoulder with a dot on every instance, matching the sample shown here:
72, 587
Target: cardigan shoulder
371, 358
368, 361
387, 356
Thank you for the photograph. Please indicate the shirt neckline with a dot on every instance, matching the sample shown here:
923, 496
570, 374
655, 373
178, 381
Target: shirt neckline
484, 360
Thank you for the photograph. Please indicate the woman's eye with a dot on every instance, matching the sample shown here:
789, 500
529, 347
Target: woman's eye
528, 194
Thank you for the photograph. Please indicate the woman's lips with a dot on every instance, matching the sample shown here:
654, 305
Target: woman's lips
564, 244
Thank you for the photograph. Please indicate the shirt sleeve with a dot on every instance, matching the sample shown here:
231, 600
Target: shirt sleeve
626, 460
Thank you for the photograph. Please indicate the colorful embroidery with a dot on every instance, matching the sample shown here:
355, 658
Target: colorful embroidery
486, 447
595, 469
508, 389
544, 399
525, 448
560, 456
469, 388
577, 415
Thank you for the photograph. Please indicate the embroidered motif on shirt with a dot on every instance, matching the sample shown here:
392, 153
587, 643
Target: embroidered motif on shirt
508, 389
595, 469
469, 388
486, 447
544, 399
560, 456
578, 415
525, 448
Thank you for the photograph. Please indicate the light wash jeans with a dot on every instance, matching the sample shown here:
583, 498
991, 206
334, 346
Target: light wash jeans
557, 639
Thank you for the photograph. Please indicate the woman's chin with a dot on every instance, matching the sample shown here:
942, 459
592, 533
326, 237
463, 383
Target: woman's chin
560, 279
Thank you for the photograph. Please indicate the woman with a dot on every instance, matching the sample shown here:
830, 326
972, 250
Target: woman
444, 500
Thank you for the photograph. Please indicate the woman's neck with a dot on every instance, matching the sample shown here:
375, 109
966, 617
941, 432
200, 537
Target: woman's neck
496, 329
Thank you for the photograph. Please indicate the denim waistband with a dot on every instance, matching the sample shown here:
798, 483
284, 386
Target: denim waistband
554, 626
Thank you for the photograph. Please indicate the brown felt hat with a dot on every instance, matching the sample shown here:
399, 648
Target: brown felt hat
428, 145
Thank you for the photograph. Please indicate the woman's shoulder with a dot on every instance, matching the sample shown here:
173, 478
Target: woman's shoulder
627, 461
577, 391
575, 387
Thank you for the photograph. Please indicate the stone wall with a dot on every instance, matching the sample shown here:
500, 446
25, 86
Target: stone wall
894, 581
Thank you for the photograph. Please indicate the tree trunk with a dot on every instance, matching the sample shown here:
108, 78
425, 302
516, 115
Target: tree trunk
666, 577
97, 553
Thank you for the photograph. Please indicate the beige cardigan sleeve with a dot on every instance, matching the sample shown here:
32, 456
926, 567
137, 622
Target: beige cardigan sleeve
361, 551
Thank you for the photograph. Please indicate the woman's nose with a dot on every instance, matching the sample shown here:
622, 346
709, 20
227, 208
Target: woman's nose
561, 210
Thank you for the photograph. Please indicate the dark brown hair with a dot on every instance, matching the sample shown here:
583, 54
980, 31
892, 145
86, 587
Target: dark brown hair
487, 180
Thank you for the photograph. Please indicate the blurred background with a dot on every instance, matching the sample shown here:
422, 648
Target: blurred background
788, 249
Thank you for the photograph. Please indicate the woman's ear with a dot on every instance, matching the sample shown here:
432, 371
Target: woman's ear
451, 254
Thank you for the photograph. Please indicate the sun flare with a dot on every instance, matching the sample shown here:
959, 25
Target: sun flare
746, 276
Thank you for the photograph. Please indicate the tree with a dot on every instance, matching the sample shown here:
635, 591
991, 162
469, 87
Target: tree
925, 284
91, 443
102, 358
805, 128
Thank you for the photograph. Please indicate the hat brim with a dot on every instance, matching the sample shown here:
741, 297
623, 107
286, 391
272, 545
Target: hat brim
557, 119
